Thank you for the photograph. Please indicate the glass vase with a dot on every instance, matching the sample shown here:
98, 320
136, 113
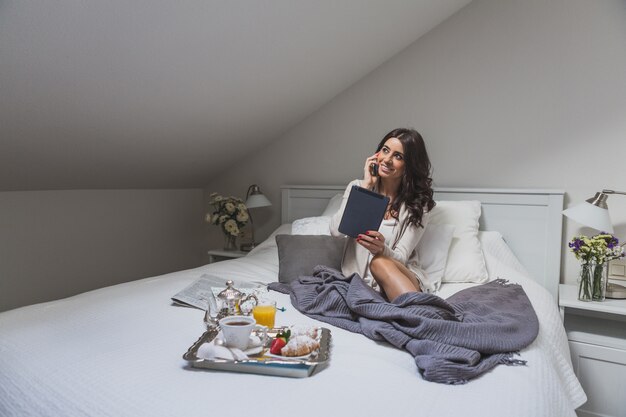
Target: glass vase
585, 282
600, 280
593, 281
230, 242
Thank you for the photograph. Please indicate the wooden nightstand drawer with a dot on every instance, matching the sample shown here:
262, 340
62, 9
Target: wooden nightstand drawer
596, 332
602, 374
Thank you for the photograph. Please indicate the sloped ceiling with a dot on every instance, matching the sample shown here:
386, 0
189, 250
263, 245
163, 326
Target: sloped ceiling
159, 94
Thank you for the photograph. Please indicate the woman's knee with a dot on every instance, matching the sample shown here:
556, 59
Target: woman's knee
379, 264
389, 271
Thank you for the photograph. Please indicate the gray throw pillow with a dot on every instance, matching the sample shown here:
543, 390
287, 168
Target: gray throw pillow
298, 254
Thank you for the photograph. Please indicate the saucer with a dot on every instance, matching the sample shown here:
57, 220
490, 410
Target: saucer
217, 349
255, 344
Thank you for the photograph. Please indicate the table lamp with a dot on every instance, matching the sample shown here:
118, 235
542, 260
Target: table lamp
254, 199
594, 213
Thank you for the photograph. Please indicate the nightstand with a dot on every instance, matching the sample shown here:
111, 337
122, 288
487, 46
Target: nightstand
596, 332
216, 255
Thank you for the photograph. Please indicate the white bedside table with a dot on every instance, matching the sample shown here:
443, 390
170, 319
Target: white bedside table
596, 331
216, 255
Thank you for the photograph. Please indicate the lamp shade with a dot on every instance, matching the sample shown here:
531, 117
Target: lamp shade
255, 198
591, 215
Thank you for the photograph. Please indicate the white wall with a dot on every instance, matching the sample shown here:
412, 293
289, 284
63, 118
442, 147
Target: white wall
54, 244
507, 93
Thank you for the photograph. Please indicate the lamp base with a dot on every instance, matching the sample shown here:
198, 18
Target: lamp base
615, 291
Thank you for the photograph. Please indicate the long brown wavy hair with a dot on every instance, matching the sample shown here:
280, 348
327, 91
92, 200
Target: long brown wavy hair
416, 190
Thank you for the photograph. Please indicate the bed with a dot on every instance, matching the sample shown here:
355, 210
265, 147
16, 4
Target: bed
117, 351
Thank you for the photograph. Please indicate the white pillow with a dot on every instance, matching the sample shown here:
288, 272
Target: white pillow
466, 262
333, 205
433, 249
311, 226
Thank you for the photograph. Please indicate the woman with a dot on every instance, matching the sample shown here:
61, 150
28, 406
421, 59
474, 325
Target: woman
387, 258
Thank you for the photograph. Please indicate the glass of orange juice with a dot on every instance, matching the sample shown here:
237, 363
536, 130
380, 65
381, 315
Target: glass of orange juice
265, 313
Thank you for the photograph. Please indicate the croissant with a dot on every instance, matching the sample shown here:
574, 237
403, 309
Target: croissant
300, 346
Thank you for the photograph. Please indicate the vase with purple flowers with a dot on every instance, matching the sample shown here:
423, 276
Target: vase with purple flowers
594, 254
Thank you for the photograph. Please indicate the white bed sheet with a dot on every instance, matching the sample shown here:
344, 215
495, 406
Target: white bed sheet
117, 352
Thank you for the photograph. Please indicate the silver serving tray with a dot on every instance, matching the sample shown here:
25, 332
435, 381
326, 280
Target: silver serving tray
262, 364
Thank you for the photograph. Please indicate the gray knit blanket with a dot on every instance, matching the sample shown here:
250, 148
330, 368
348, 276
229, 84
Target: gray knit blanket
452, 340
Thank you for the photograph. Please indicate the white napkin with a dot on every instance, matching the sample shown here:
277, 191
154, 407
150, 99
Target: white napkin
217, 349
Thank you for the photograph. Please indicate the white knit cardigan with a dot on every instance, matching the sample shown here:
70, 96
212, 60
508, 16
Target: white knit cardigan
401, 247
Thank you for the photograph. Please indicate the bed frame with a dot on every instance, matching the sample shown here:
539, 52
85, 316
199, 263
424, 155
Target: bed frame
529, 220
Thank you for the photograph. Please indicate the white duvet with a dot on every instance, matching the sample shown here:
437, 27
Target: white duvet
117, 352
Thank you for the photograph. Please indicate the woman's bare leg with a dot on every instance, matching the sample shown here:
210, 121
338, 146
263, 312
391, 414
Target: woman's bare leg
393, 277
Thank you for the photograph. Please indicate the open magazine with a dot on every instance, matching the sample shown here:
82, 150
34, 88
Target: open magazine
199, 292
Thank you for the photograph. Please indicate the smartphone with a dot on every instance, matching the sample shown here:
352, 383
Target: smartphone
374, 170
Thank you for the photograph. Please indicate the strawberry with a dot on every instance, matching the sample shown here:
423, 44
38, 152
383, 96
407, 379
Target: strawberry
280, 341
277, 345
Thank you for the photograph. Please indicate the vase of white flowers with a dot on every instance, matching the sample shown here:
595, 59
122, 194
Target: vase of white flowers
231, 214
230, 242
594, 254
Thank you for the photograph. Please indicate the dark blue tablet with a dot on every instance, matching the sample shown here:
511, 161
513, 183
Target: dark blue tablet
364, 211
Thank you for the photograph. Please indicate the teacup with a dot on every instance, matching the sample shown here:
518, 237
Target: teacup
237, 330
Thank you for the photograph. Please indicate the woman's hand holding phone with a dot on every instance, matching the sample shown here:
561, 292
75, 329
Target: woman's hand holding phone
370, 173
